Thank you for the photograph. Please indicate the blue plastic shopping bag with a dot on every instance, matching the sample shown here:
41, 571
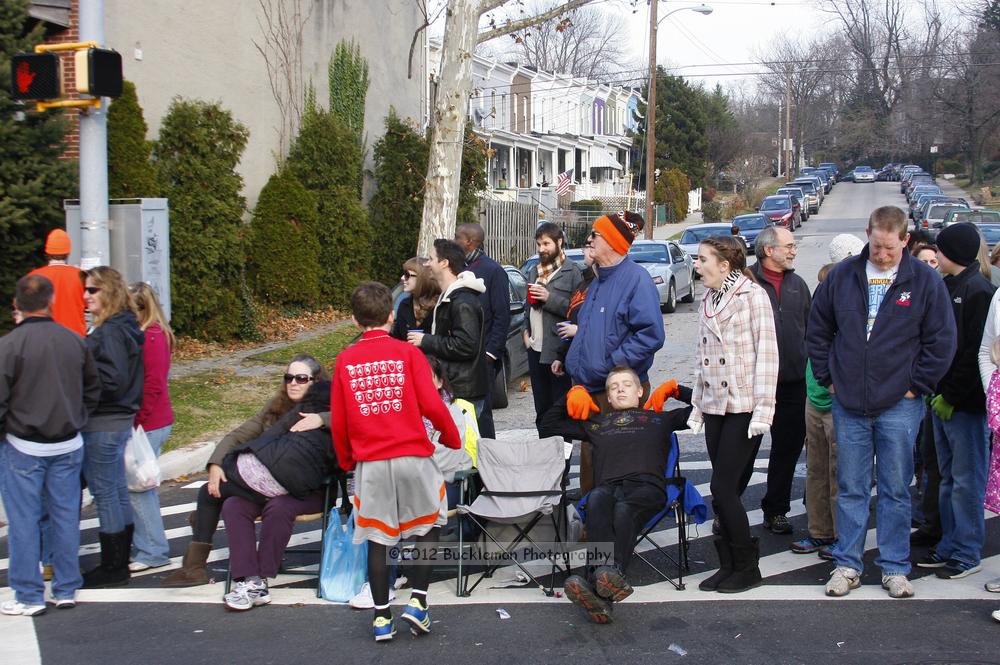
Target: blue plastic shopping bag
344, 567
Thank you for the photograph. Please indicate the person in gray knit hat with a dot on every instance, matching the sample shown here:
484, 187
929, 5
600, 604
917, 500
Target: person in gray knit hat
961, 435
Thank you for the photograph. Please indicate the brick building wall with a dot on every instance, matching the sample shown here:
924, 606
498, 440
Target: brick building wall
70, 34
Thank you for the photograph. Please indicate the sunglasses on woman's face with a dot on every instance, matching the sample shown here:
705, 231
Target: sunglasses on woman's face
300, 379
409, 275
93, 290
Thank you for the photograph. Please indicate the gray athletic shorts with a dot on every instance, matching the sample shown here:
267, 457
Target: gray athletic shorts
397, 498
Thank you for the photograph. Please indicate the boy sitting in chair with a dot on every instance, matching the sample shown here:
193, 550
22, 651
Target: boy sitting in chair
630, 451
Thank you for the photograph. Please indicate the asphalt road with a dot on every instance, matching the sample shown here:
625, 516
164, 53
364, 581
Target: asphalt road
788, 620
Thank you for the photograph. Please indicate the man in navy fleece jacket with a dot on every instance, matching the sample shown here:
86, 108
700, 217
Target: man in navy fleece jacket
881, 334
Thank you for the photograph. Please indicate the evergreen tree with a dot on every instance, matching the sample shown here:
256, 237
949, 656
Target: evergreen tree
33, 180
283, 252
326, 158
199, 147
131, 174
397, 205
473, 180
672, 188
681, 137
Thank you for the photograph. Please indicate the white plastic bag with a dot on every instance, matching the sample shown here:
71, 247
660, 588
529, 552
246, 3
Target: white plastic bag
142, 472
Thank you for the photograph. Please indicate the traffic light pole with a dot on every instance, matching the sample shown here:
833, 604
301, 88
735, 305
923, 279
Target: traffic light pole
95, 242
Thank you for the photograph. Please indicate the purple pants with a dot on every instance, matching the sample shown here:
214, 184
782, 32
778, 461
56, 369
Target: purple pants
246, 557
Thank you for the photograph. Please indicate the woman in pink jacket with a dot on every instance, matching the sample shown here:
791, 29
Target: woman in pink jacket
149, 542
733, 397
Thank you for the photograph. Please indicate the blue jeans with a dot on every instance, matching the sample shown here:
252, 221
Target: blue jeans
104, 470
26, 479
149, 542
889, 437
963, 452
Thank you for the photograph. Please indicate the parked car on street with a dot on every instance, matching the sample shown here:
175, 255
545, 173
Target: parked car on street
864, 174
847, 177
991, 233
782, 210
800, 194
670, 267
933, 217
926, 200
812, 194
694, 234
830, 166
751, 225
573, 254
816, 180
821, 174
920, 191
977, 216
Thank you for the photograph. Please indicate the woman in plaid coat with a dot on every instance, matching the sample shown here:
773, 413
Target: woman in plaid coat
733, 397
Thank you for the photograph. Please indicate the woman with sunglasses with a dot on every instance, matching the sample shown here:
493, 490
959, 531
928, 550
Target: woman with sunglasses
156, 417
117, 343
420, 294
226, 480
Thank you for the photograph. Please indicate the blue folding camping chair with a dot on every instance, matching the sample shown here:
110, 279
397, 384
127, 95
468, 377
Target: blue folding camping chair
682, 500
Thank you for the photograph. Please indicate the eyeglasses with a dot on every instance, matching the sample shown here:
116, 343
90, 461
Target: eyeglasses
300, 379
594, 234
790, 246
92, 290
409, 275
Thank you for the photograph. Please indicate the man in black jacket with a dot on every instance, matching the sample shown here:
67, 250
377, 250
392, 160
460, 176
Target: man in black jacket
790, 298
496, 310
49, 385
456, 336
961, 435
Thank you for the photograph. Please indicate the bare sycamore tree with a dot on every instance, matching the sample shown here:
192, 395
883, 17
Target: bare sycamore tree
281, 24
585, 43
461, 34
802, 68
967, 94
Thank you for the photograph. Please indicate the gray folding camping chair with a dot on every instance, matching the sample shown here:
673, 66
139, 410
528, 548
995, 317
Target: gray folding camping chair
523, 482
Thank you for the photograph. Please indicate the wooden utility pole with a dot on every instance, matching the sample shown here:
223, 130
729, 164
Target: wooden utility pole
651, 124
788, 125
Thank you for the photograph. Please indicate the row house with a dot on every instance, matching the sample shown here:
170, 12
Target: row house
539, 124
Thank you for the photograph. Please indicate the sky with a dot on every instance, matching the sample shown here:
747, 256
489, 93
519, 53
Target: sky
704, 48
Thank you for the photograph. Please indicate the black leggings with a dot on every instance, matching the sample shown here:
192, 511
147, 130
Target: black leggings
730, 450
209, 508
616, 513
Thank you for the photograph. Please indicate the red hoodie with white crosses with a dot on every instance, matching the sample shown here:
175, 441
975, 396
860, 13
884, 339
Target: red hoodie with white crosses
382, 389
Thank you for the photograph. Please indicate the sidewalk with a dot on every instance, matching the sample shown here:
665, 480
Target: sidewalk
667, 231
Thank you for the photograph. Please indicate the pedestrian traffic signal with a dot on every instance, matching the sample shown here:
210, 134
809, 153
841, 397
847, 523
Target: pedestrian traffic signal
99, 72
35, 76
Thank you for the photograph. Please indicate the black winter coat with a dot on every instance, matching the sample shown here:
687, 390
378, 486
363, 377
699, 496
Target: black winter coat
971, 294
298, 460
459, 344
790, 318
117, 348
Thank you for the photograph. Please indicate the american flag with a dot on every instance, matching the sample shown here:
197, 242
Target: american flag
563, 183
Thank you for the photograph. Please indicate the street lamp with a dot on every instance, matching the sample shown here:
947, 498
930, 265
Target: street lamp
703, 9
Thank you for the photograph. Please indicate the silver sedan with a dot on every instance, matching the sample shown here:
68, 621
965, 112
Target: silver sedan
670, 267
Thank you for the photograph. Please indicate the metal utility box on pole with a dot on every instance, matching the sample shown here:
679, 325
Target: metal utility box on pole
95, 248
139, 241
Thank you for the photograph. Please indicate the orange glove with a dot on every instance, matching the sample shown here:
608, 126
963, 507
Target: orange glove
579, 403
663, 392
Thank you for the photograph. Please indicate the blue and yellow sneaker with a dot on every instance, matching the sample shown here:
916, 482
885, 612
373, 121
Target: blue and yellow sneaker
384, 629
418, 616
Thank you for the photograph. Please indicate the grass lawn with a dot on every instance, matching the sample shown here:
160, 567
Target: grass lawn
323, 348
210, 404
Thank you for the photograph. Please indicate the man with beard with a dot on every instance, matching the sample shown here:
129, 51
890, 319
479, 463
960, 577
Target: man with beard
550, 285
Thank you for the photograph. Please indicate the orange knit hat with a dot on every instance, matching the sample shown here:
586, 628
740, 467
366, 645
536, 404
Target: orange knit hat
57, 244
619, 230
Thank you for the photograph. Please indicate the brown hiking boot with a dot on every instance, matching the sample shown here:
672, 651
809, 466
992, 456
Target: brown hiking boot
192, 571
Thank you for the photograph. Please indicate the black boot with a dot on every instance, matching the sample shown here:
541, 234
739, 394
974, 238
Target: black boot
746, 573
113, 570
725, 566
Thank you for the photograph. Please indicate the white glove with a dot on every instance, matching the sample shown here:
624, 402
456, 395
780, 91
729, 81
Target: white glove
756, 429
695, 426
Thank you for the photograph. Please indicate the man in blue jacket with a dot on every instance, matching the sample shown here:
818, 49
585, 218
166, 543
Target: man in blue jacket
496, 310
620, 324
881, 335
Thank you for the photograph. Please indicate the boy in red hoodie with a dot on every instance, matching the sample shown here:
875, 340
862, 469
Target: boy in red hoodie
382, 389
